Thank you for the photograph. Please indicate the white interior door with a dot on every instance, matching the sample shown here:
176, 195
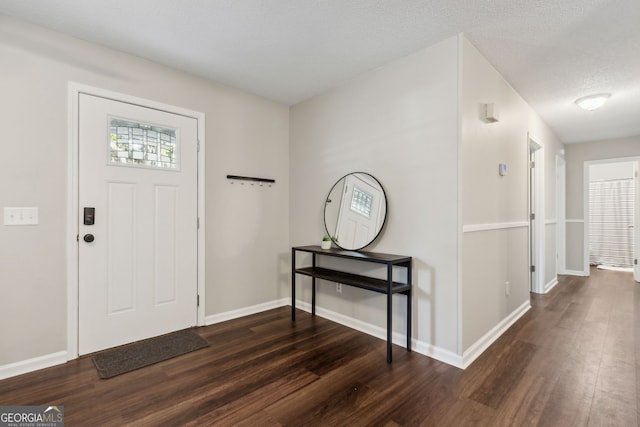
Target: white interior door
138, 236
561, 263
360, 214
636, 215
536, 217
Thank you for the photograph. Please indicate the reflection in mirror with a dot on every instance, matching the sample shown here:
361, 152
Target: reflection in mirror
355, 210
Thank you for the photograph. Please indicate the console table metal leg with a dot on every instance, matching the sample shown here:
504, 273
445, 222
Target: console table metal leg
409, 320
313, 289
409, 306
389, 311
313, 296
293, 285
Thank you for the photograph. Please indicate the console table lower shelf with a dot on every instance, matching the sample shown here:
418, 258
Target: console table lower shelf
384, 286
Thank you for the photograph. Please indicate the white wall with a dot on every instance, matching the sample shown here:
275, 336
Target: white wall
577, 155
247, 227
404, 123
399, 123
495, 260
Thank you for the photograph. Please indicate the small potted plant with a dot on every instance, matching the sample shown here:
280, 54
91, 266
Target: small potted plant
326, 242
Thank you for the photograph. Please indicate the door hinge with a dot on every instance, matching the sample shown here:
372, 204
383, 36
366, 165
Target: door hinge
77, 237
532, 216
635, 262
198, 223
198, 300
198, 146
532, 165
533, 269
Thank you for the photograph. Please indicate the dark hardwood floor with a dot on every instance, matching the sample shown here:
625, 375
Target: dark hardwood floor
572, 360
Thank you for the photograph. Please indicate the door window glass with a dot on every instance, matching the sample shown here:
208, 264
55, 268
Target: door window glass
139, 144
361, 202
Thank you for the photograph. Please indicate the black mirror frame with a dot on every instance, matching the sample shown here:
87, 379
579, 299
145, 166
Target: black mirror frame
386, 210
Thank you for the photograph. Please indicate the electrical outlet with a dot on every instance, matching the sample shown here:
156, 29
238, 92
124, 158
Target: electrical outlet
507, 288
339, 288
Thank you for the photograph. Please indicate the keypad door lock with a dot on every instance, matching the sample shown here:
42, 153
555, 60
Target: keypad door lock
89, 216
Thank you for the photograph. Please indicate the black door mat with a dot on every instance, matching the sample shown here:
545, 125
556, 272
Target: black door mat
144, 353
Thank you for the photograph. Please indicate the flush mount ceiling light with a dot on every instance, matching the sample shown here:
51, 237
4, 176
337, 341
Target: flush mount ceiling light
592, 102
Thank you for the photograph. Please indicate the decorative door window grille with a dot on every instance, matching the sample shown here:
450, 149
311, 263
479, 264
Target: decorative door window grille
361, 202
140, 144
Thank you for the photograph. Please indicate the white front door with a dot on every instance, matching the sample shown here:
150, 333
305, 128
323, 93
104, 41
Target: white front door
360, 215
138, 223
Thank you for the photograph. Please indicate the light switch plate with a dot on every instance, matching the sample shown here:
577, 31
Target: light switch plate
20, 216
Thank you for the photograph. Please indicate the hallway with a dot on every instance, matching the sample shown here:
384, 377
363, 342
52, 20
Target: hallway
584, 365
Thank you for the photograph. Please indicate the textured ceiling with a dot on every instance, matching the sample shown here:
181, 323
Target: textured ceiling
551, 51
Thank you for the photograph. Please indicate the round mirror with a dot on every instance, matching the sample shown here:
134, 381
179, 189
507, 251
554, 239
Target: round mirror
355, 211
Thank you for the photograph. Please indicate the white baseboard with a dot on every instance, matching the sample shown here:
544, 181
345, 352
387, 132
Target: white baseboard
576, 273
426, 349
445, 356
246, 311
477, 348
552, 284
46, 361
30, 365
367, 328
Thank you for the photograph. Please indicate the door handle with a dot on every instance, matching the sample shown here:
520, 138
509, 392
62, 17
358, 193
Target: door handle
88, 238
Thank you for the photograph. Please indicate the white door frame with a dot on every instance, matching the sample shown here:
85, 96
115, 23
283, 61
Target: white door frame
561, 228
636, 220
74, 91
585, 207
536, 150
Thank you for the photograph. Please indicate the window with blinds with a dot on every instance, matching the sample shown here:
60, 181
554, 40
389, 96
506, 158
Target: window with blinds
611, 212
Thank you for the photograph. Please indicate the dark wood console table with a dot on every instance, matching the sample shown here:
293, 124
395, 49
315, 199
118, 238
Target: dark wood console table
388, 286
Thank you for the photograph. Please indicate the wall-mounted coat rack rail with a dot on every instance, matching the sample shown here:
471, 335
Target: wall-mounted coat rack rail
252, 179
